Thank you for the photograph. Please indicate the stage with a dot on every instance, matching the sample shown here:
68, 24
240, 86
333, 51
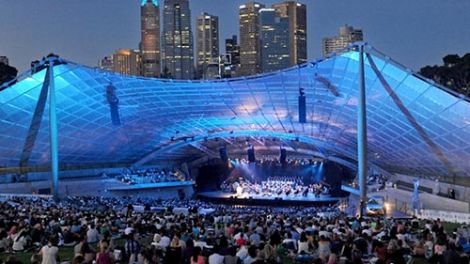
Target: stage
160, 190
259, 199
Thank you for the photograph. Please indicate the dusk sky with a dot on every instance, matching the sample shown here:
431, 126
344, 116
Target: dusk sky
413, 32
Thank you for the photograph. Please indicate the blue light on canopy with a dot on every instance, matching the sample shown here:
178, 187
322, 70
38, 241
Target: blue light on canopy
144, 2
412, 122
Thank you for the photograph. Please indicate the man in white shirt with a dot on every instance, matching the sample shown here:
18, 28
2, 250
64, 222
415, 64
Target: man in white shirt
49, 252
93, 236
255, 239
165, 241
200, 243
216, 258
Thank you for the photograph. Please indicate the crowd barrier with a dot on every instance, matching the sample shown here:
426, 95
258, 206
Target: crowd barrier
15, 195
453, 217
176, 210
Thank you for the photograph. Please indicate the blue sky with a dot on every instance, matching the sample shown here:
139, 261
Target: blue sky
415, 33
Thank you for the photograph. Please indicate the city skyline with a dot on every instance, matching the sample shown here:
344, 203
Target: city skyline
103, 34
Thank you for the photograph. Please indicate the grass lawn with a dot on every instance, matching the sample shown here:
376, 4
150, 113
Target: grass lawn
66, 253
25, 257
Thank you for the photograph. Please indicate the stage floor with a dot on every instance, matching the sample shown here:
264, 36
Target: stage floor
157, 185
254, 199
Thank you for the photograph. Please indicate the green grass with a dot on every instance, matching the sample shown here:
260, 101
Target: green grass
65, 254
25, 257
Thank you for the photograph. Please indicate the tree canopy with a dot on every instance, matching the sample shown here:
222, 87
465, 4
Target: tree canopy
7, 73
454, 73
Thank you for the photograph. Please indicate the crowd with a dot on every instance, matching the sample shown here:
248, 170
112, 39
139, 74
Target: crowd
151, 175
108, 230
276, 187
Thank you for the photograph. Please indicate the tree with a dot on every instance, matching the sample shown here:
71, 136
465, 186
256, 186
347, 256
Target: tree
7, 73
454, 74
451, 60
166, 73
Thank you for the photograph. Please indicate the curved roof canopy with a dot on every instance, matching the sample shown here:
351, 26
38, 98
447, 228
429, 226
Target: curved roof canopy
414, 126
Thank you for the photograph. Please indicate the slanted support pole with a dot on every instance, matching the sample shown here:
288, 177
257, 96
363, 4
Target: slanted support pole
53, 133
362, 134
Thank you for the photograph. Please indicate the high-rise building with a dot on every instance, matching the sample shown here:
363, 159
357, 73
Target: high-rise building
106, 63
274, 40
178, 53
347, 35
214, 69
124, 61
232, 56
207, 43
150, 38
4, 60
250, 57
296, 13
232, 48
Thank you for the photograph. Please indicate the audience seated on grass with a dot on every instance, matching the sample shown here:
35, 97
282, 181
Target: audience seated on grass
102, 230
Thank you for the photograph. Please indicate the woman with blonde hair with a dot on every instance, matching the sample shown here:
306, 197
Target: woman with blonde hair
174, 253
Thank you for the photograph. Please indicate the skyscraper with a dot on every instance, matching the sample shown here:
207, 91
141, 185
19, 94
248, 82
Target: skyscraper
274, 40
178, 53
150, 38
232, 48
347, 35
4, 60
124, 61
106, 63
207, 42
296, 13
232, 56
250, 57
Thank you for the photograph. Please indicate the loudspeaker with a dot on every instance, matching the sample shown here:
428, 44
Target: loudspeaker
302, 106
44, 191
251, 155
283, 156
181, 194
113, 102
223, 155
